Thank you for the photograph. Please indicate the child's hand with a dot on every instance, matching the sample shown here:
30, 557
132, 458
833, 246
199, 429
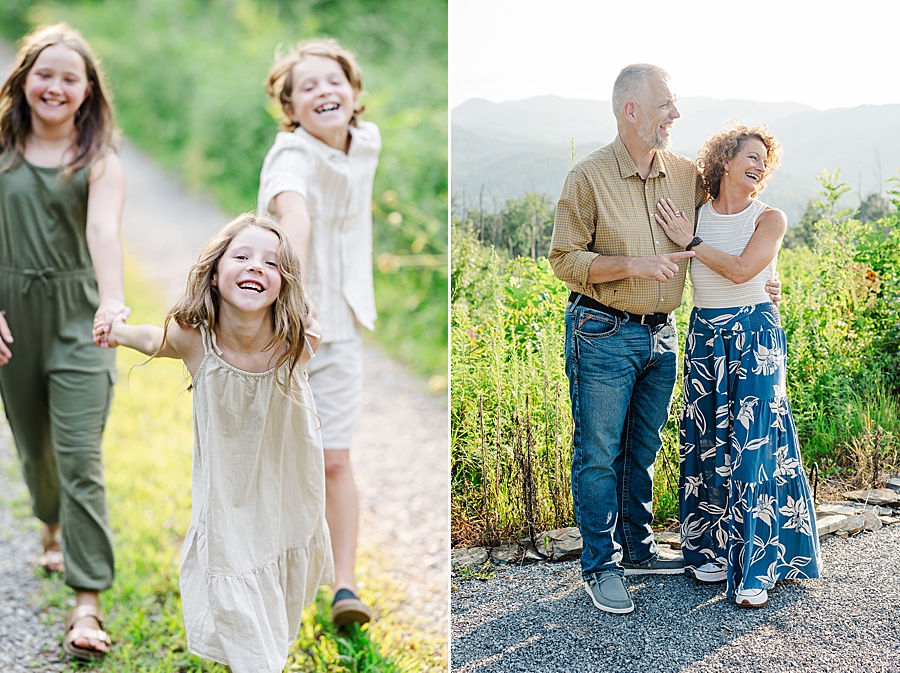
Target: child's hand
103, 330
5, 338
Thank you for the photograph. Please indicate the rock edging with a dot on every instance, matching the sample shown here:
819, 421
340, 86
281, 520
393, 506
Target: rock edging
867, 509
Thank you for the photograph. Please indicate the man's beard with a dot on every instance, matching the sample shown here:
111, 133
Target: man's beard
651, 135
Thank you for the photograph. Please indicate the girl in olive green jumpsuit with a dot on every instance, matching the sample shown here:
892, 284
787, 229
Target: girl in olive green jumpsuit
61, 195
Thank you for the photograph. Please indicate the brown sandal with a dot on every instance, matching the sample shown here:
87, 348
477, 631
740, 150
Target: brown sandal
51, 560
73, 634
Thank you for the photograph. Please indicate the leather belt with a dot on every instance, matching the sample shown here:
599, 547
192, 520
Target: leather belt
648, 319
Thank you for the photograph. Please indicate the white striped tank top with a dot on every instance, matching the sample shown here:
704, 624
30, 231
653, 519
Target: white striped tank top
728, 233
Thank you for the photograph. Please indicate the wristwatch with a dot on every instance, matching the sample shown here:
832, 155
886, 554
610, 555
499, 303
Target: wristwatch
697, 241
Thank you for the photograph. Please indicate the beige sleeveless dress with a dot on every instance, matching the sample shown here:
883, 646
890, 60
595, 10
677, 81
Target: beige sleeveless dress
258, 546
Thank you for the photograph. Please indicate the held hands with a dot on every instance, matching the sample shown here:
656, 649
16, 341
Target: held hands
5, 338
104, 320
674, 222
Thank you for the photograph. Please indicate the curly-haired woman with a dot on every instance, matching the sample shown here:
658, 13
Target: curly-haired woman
747, 514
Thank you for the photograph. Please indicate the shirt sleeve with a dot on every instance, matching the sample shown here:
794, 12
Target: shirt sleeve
285, 169
371, 136
700, 195
573, 230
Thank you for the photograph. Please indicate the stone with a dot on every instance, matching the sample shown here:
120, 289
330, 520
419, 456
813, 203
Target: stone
872, 522
837, 508
830, 524
505, 554
875, 496
894, 484
854, 524
889, 520
530, 556
562, 544
467, 557
671, 538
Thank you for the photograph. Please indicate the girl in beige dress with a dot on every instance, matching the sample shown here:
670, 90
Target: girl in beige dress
257, 548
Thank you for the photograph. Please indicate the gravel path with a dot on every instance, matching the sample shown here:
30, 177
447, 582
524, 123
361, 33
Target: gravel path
539, 618
399, 452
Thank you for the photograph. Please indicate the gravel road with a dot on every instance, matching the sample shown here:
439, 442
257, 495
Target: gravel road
539, 618
399, 453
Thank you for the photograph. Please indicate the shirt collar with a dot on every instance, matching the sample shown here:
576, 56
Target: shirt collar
325, 148
626, 163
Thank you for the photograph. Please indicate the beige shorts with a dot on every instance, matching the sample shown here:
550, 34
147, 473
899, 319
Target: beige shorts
336, 379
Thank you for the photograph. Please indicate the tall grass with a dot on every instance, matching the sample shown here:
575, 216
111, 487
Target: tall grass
511, 423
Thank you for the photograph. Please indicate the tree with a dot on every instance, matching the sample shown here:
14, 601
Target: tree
873, 208
528, 225
803, 233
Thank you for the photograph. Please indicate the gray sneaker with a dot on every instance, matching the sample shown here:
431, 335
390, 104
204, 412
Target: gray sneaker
665, 563
607, 590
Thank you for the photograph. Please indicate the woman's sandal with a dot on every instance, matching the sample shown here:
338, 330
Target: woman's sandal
73, 634
52, 559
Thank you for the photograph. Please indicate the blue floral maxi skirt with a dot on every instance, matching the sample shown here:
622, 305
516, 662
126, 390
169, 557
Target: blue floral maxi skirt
744, 498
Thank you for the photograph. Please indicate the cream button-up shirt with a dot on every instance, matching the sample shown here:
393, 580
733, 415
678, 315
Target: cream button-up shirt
338, 192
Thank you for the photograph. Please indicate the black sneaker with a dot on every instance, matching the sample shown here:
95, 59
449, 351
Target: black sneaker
608, 592
665, 563
348, 609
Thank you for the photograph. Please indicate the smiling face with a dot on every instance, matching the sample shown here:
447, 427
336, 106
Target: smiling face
248, 277
655, 113
56, 86
748, 168
322, 100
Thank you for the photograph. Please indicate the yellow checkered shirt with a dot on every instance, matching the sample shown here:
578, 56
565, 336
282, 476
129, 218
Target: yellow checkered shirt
606, 208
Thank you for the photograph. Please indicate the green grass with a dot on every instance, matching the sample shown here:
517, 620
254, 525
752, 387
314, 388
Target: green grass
147, 455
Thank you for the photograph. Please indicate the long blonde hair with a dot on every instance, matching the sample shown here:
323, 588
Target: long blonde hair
95, 127
200, 302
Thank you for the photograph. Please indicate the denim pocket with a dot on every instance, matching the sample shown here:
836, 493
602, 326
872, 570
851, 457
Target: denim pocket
594, 325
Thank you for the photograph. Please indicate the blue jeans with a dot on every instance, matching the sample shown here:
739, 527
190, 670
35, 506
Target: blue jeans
621, 379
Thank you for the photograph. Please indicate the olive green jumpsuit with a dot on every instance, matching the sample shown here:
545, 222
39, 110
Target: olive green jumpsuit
57, 386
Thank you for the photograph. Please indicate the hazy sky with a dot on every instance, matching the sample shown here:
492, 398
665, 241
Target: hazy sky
826, 54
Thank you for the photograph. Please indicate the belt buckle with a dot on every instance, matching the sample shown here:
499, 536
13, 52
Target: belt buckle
644, 317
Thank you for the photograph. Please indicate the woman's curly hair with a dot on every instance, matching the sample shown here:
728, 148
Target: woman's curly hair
724, 146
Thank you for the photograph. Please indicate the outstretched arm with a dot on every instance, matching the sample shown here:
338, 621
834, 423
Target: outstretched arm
290, 207
144, 338
106, 198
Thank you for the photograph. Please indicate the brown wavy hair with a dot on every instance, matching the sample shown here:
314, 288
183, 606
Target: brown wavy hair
724, 146
95, 127
200, 302
280, 82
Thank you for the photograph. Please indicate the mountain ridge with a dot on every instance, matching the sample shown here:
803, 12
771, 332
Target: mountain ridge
507, 149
